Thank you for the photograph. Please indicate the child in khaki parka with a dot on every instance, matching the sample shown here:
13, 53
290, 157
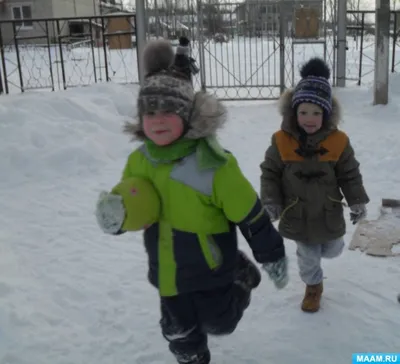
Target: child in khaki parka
308, 168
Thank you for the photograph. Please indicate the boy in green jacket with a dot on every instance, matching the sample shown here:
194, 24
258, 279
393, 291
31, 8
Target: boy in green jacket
204, 281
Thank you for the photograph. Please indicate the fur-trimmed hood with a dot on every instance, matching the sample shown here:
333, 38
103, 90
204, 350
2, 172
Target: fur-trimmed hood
208, 115
289, 119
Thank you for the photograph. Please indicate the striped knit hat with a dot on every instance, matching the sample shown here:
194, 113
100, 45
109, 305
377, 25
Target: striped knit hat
164, 88
314, 87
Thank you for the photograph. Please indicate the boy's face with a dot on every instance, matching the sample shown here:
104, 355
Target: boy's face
162, 128
310, 117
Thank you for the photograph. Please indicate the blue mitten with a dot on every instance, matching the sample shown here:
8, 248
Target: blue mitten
278, 272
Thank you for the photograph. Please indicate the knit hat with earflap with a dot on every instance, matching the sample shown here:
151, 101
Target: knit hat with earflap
314, 86
164, 89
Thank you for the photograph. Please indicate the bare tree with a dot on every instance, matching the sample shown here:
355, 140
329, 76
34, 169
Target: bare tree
355, 6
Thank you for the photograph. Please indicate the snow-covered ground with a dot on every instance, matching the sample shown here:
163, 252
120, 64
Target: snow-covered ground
71, 295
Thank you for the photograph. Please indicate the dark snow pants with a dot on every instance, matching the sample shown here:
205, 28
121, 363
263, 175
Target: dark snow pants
187, 319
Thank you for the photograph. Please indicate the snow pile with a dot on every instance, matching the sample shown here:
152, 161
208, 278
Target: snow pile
70, 295
73, 132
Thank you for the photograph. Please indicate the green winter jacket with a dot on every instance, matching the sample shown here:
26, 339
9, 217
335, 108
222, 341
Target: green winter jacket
204, 196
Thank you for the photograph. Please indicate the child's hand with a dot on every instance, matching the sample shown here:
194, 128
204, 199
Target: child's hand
358, 213
110, 212
274, 212
278, 272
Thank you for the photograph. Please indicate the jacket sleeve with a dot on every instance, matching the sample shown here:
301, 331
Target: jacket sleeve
127, 173
234, 194
349, 177
271, 176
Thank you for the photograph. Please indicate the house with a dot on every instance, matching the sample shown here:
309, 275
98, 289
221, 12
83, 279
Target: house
263, 16
29, 30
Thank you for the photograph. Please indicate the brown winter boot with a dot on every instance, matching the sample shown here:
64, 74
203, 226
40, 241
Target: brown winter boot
312, 298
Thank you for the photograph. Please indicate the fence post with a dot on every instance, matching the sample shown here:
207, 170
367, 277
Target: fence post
282, 44
140, 36
394, 40
200, 37
381, 72
1, 84
341, 48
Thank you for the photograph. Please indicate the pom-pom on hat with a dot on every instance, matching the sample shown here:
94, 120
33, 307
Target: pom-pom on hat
164, 88
314, 86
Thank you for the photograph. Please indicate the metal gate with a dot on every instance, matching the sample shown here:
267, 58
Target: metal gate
249, 50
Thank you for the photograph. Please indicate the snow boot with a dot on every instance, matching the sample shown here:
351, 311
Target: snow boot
247, 274
312, 298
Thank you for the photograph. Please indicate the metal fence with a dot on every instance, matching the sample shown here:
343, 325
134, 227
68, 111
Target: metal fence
360, 56
248, 50
59, 53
